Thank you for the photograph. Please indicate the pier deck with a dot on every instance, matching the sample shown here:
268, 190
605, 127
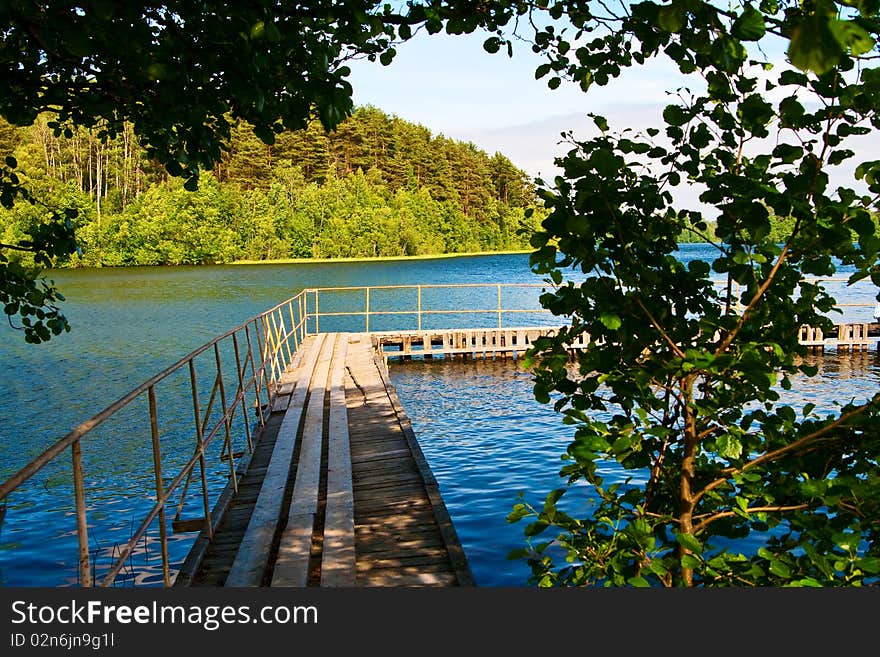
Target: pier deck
337, 492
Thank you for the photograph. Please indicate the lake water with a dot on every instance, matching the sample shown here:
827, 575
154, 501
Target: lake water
484, 435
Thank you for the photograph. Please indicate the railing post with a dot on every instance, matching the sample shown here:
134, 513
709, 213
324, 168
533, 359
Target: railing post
82, 525
317, 314
293, 327
264, 350
160, 486
201, 446
277, 346
226, 419
419, 306
241, 389
250, 355
499, 306
367, 308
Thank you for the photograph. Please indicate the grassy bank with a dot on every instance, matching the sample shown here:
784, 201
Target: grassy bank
432, 256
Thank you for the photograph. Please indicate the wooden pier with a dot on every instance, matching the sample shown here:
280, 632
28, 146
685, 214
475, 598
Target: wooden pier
338, 492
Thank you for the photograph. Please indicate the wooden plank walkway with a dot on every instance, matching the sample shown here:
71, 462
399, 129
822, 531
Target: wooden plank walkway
337, 492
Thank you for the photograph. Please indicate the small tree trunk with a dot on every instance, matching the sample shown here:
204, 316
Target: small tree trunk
688, 470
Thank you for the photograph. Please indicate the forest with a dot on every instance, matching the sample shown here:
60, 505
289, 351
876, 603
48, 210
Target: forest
376, 186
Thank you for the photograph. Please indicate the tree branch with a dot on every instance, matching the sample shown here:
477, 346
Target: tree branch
17, 247
755, 509
728, 340
782, 451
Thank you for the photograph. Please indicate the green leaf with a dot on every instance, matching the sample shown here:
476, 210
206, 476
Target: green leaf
535, 528
690, 542
690, 561
611, 321
852, 37
813, 47
787, 153
258, 30
519, 512
638, 581
553, 498
492, 45
387, 56
541, 71
728, 446
656, 566
675, 115
749, 26
869, 565
672, 17
780, 569
78, 42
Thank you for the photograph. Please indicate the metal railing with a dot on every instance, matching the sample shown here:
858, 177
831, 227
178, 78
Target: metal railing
410, 301
456, 300
259, 350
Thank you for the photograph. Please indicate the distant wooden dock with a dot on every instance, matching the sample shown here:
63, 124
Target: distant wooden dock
338, 492
513, 342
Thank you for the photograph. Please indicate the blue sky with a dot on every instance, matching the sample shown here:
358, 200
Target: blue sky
453, 87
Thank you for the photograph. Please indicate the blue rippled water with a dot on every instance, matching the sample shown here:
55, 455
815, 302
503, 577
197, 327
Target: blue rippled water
487, 440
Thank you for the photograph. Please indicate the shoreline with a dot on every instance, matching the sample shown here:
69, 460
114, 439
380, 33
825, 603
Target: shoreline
432, 256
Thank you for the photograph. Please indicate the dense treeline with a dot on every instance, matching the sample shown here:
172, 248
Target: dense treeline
376, 186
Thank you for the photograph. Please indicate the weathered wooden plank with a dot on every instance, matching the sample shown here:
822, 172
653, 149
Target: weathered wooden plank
393, 547
364, 507
281, 403
432, 558
419, 576
292, 562
447, 529
366, 457
387, 478
251, 561
338, 556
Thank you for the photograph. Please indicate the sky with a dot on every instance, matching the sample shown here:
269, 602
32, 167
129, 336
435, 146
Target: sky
452, 86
